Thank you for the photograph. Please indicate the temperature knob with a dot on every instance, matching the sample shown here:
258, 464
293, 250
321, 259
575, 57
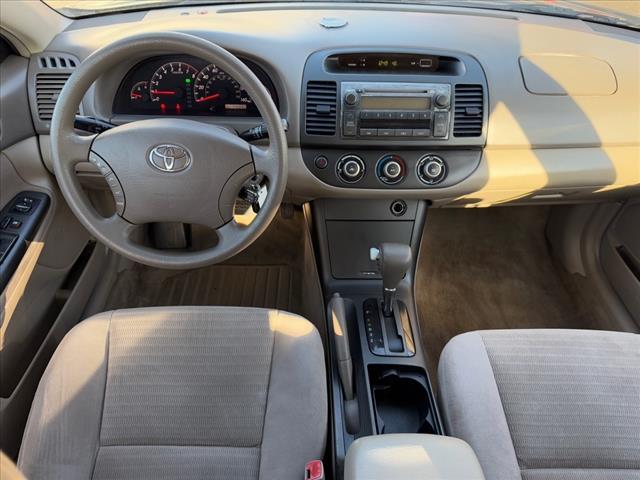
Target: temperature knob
431, 169
350, 168
350, 97
391, 169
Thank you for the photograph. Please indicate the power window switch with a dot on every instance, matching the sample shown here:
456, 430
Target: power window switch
5, 222
15, 224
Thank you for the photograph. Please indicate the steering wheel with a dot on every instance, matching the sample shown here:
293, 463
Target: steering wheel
169, 169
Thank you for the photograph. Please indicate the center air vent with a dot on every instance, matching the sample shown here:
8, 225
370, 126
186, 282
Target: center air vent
321, 108
48, 88
468, 115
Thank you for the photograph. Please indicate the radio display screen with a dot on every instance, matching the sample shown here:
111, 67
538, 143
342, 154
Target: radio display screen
375, 102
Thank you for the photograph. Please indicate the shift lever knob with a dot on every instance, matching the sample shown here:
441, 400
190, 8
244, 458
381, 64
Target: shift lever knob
394, 260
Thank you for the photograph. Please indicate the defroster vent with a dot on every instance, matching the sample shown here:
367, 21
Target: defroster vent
321, 109
468, 102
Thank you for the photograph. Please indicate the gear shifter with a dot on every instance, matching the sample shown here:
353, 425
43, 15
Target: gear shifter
394, 260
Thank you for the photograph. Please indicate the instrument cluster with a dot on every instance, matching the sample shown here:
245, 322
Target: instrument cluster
185, 85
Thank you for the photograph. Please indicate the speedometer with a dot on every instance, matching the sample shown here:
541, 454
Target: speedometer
220, 92
172, 86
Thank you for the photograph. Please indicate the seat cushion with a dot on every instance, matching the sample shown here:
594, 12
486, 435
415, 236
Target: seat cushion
545, 404
188, 392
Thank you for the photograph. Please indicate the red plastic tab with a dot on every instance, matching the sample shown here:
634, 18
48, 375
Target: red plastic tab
314, 470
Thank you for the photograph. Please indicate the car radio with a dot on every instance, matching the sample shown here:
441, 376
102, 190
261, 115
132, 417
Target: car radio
401, 110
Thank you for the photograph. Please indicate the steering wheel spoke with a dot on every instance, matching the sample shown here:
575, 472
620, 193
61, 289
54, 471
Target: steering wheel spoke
265, 162
76, 148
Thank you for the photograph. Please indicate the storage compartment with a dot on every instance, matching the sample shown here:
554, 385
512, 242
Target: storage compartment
402, 400
349, 244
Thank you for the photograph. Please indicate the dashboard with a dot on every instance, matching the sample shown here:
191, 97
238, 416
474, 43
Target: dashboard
461, 107
185, 85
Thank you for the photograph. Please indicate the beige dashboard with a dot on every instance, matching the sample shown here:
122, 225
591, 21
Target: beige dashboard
563, 95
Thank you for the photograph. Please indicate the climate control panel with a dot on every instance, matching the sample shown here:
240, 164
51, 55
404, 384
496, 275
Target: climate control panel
405, 169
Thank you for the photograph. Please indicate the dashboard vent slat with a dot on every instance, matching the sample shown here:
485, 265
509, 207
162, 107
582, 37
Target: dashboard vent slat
468, 112
48, 88
321, 108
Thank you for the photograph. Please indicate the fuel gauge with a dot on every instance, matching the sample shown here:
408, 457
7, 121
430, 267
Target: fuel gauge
140, 92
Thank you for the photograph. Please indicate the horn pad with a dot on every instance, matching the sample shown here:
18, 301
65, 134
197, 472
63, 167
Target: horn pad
175, 170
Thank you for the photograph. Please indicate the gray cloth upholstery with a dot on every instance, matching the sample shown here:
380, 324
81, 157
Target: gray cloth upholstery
545, 404
188, 392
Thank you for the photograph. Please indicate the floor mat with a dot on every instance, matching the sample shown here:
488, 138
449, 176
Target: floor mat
266, 286
490, 268
271, 273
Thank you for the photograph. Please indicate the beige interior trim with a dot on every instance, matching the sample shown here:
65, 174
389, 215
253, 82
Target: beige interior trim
17, 17
554, 74
411, 457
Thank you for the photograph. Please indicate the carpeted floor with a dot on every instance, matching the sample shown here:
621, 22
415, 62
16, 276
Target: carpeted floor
271, 273
487, 269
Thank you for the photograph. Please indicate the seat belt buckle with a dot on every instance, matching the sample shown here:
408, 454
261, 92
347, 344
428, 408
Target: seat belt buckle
314, 470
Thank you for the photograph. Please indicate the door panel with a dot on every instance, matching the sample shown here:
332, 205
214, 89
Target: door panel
38, 291
620, 256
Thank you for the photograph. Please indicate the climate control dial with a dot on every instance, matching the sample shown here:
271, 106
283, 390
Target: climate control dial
391, 169
350, 168
431, 169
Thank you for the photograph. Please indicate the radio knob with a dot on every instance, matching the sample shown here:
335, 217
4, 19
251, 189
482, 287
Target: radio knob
431, 169
442, 100
350, 168
351, 97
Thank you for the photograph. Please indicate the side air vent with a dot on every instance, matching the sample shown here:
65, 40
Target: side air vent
48, 87
321, 108
467, 120
48, 73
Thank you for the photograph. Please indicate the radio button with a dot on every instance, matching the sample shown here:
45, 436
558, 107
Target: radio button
386, 132
368, 132
425, 115
402, 115
366, 115
403, 132
389, 115
441, 124
421, 132
414, 115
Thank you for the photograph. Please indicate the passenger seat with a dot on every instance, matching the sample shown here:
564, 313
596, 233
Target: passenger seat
545, 404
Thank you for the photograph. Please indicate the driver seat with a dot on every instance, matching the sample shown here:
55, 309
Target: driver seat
180, 392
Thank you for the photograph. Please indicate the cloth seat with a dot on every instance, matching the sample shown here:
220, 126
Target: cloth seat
545, 404
182, 392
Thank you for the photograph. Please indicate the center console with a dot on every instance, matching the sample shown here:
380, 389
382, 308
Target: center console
367, 251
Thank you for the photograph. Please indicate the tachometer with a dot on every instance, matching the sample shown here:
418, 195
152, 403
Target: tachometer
172, 86
219, 91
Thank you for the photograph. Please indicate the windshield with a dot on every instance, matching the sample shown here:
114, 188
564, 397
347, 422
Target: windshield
623, 13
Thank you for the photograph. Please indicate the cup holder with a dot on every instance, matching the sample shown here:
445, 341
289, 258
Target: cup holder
401, 399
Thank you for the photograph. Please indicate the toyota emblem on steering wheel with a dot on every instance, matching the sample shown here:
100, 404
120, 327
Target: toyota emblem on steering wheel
169, 158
